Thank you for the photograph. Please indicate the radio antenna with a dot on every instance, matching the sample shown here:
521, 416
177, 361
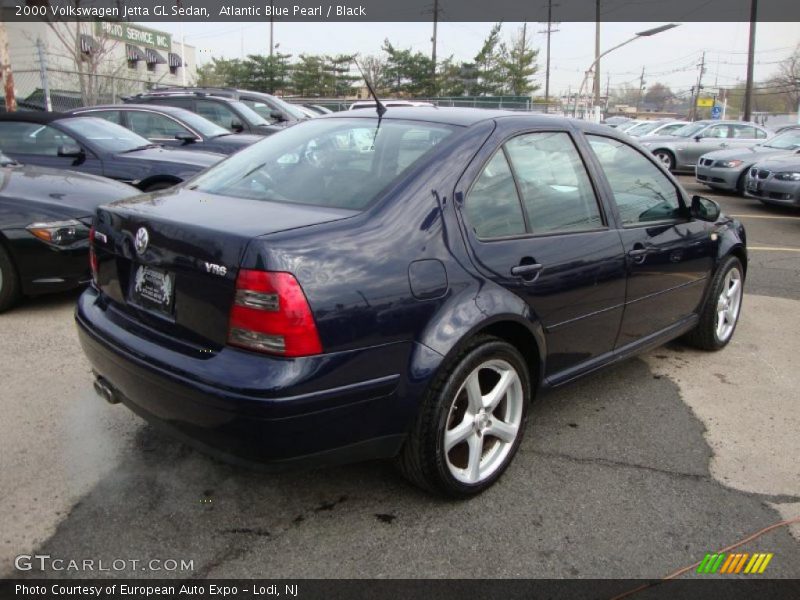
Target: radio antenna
379, 107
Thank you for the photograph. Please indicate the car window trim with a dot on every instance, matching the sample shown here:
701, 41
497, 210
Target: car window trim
529, 233
649, 157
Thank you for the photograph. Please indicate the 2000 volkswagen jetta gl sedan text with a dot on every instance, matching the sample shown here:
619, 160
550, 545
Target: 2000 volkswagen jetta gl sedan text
316, 298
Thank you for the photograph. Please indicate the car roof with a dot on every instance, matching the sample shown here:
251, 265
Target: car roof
31, 116
151, 107
450, 115
204, 95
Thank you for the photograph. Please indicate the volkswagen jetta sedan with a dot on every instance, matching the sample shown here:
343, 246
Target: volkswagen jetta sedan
310, 301
95, 146
45, 216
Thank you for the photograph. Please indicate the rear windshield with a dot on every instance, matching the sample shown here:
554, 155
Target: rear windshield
340, 163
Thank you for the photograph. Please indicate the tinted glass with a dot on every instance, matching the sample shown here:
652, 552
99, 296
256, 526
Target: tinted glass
33, 138
642, 192
154, 126
201, 125
556, 191
341, 163
112, 116
106, 136
493, 209
216, 112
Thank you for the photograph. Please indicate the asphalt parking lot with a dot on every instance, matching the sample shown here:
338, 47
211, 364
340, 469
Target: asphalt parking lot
635, 472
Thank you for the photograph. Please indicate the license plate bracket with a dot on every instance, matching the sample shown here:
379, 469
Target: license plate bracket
153, 289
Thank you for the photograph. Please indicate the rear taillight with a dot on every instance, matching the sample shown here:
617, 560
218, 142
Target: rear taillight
270, 313
92, 255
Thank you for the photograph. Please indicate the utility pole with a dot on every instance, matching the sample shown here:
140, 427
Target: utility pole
433, 49
548, 31
48, 104
5, 68
698, 87
596, 86
641, 92
748, 91
271, 28
608, 89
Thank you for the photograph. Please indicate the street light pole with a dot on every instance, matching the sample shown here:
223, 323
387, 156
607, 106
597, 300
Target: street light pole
646, 33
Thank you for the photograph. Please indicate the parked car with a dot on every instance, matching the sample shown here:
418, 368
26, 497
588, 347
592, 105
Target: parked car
231, 114
45, 216
320, 110
616, 121
171, 127
308, 112
275, 110
653, 128
775, 180
361, 104
727, 169
626, 127
95, 146
302, 302
680, 150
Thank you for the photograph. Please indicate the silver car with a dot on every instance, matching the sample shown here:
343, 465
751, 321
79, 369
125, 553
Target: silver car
775, 181
727, 169
680, 151
654, 128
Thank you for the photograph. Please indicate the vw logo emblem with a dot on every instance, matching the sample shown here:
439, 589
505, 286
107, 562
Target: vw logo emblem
141, 240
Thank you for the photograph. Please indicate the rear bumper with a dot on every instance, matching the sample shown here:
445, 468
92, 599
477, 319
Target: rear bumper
312, 410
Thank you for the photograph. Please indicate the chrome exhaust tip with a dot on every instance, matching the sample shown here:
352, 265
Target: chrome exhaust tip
105, 391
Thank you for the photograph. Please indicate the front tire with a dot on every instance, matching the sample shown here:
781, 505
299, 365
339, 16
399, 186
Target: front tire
471, 422
666, 158
722, 308
9, 281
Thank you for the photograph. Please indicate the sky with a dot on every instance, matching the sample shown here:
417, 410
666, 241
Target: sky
670, 57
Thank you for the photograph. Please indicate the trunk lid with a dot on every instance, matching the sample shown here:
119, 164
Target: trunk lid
177, 279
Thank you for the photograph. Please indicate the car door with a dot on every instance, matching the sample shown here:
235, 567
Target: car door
745, 135
41, 144
158, 128
714, 137
670, 255
535, 227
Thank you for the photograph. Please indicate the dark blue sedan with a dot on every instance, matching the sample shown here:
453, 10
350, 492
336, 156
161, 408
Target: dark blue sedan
364, 287
94, 146
171, 127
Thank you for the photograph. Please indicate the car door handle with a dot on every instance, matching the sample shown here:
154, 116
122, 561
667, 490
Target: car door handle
526, 270
638, 252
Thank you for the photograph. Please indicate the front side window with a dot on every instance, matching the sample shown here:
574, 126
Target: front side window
643, 194
154, 126
216, 113
108, 137
492, 206
556, 191
32, 138
339, 163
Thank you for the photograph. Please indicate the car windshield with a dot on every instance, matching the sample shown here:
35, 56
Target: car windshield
292, 110
249, 115
689, 130
643, 128
339, 163
788, 140
200, 124
108, 137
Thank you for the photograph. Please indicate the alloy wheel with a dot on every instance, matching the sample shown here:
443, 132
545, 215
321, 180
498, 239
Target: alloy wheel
484, 421
728, 304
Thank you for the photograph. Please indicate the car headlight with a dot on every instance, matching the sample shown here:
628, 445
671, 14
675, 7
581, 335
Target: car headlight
60, 233
728, 164
788, 176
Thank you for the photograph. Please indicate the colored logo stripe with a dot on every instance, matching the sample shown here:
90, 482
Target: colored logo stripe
735, 563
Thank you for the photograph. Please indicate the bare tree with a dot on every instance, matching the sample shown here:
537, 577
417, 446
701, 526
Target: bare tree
787, 81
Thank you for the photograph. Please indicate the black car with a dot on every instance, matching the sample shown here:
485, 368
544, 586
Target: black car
231, 114
318, 298
273, 109
95, 146
172, 127
45, 220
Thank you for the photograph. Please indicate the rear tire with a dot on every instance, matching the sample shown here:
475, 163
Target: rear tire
722, 307
666, 158
471, 421
9, 281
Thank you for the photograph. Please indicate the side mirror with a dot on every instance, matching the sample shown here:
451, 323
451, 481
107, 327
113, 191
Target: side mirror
705, 209
697, 138
277, 115
70, 151
186, 137
237, 126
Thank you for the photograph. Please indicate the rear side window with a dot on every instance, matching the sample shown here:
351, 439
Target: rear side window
216, 112
492, 207
556, 191
642, 193
112, 116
